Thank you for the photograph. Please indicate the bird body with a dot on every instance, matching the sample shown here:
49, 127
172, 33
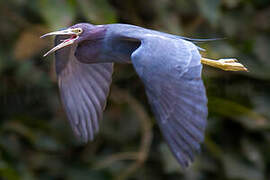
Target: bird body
168, 65
116, 42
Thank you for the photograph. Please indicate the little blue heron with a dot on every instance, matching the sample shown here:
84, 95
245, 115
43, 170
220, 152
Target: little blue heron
168, 65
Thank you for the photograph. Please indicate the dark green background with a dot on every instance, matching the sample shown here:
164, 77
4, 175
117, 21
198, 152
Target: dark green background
36, 141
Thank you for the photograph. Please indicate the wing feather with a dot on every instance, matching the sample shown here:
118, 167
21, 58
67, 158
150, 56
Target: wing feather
84, 89
171, 72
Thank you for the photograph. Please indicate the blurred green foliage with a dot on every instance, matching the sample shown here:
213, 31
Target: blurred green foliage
36, 141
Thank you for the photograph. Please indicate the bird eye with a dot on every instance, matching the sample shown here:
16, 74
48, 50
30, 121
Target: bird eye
78, 30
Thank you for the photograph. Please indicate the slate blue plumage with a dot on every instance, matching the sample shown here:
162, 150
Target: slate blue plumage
168, 65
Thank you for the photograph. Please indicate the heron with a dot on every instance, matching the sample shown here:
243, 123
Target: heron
169, 66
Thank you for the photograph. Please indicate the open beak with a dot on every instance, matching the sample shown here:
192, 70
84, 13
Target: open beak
72, 32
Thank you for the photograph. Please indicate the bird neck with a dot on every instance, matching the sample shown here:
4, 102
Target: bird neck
109, 47
118, 49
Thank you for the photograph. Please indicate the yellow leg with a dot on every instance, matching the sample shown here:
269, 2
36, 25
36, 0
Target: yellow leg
224, 64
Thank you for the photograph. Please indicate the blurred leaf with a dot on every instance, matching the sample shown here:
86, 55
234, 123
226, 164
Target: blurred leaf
220, 49
242, 114
172, 26
236, 168
29, 43
252, 152
233, 23
97, 12
8, 172
261, 18
210, 10
46, 143
231, 3
123, 120
169, 162
58, 14
76, 173
163, 13
20, 129
261, 49
261, 103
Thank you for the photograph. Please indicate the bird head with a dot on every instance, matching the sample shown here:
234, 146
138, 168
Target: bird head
74, 34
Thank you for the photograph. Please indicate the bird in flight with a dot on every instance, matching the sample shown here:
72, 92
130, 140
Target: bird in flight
169, 66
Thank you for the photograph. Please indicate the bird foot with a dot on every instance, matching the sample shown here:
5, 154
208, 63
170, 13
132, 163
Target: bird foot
229, 64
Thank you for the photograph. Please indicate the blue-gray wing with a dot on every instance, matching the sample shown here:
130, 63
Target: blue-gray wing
84, 89
171, 72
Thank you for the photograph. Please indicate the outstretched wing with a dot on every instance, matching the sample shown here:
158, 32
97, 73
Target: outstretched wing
84, 89
171, 72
